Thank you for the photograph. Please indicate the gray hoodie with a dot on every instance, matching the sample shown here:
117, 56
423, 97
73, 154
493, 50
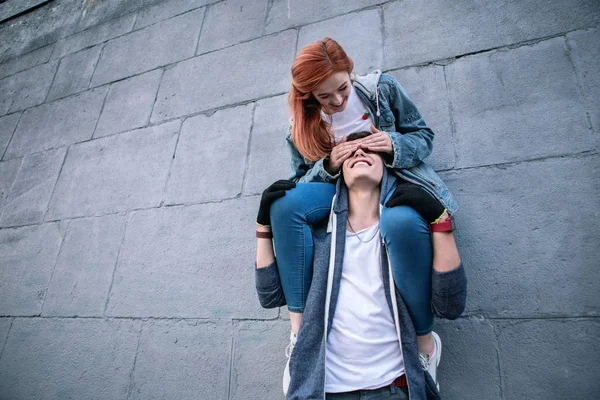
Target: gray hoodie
307, 363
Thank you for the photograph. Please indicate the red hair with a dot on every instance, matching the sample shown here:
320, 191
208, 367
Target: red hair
313, 65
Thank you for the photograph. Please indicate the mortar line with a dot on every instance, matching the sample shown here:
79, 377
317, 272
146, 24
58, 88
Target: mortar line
231, 357
108, 89
145, 318
498, 361
248, 148
296, 44
95, 64
212, 319
267, 15
60, 249
383, 34
131, 384
9, 190
6, 338
580, 89
453, 133
12, 135
196, 48
170, 169
52, 83
62, 165
117, 259
149, 119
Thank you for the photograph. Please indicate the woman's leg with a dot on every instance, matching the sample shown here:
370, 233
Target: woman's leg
291, 218
410, 249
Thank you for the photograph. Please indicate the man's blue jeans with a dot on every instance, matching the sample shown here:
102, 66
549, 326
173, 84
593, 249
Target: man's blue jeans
405, 232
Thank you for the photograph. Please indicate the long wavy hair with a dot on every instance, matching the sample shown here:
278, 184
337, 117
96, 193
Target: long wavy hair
313, 65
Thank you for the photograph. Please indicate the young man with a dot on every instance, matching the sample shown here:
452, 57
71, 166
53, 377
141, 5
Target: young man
357, 339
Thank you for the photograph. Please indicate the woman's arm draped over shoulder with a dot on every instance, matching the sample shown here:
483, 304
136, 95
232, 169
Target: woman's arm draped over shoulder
413, 140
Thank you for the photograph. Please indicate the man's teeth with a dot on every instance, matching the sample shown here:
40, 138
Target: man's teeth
361, 162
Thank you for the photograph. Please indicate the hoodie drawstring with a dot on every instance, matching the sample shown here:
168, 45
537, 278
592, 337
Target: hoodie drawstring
377, 100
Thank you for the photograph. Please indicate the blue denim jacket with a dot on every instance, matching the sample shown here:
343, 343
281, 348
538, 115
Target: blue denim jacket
307, 363
396, 114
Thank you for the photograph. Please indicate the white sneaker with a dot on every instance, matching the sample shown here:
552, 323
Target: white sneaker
430, 364
288, 354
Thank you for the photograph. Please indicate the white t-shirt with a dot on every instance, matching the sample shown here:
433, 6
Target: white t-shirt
351, 119
363, 351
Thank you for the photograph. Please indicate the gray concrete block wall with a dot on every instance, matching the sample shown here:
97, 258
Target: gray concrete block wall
137, 136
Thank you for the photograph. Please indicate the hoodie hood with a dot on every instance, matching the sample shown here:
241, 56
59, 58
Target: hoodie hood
367, 84
340, 201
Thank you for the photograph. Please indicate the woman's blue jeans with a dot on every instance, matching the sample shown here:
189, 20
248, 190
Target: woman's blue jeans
405, 232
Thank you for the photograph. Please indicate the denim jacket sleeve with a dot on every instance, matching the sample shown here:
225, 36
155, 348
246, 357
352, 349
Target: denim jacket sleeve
268, 286
411, 138
304, 171
449, 292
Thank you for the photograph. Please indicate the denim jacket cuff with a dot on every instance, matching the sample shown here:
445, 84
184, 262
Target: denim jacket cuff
326, 176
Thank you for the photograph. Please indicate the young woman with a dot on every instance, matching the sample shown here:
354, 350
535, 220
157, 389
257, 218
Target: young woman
328, 103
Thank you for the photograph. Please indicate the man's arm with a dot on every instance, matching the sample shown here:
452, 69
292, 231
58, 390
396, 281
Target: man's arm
448, 281
266, 275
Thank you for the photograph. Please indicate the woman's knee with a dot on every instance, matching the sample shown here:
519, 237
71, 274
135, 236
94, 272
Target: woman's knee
402, 220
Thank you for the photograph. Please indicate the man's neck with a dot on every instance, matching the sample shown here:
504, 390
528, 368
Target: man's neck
363, 209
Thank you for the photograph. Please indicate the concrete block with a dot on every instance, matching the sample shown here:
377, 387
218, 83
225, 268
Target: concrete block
157, 45
259, 359
469, 365
39, 28
269, 158
550, 359
115, 173
27, 255
93, 36
28, 198
189, 262
13, 9
183, 359
287, 13
74, 73
100, 12
166, 10
527, 236
59, 123
26, 89
8, 173
230, 22
8, 124
585, 51
211, 157
500, 118
129, 104
366, 49
426, 87
26, 61
83, 272
182, 92
462, 27
53, 358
